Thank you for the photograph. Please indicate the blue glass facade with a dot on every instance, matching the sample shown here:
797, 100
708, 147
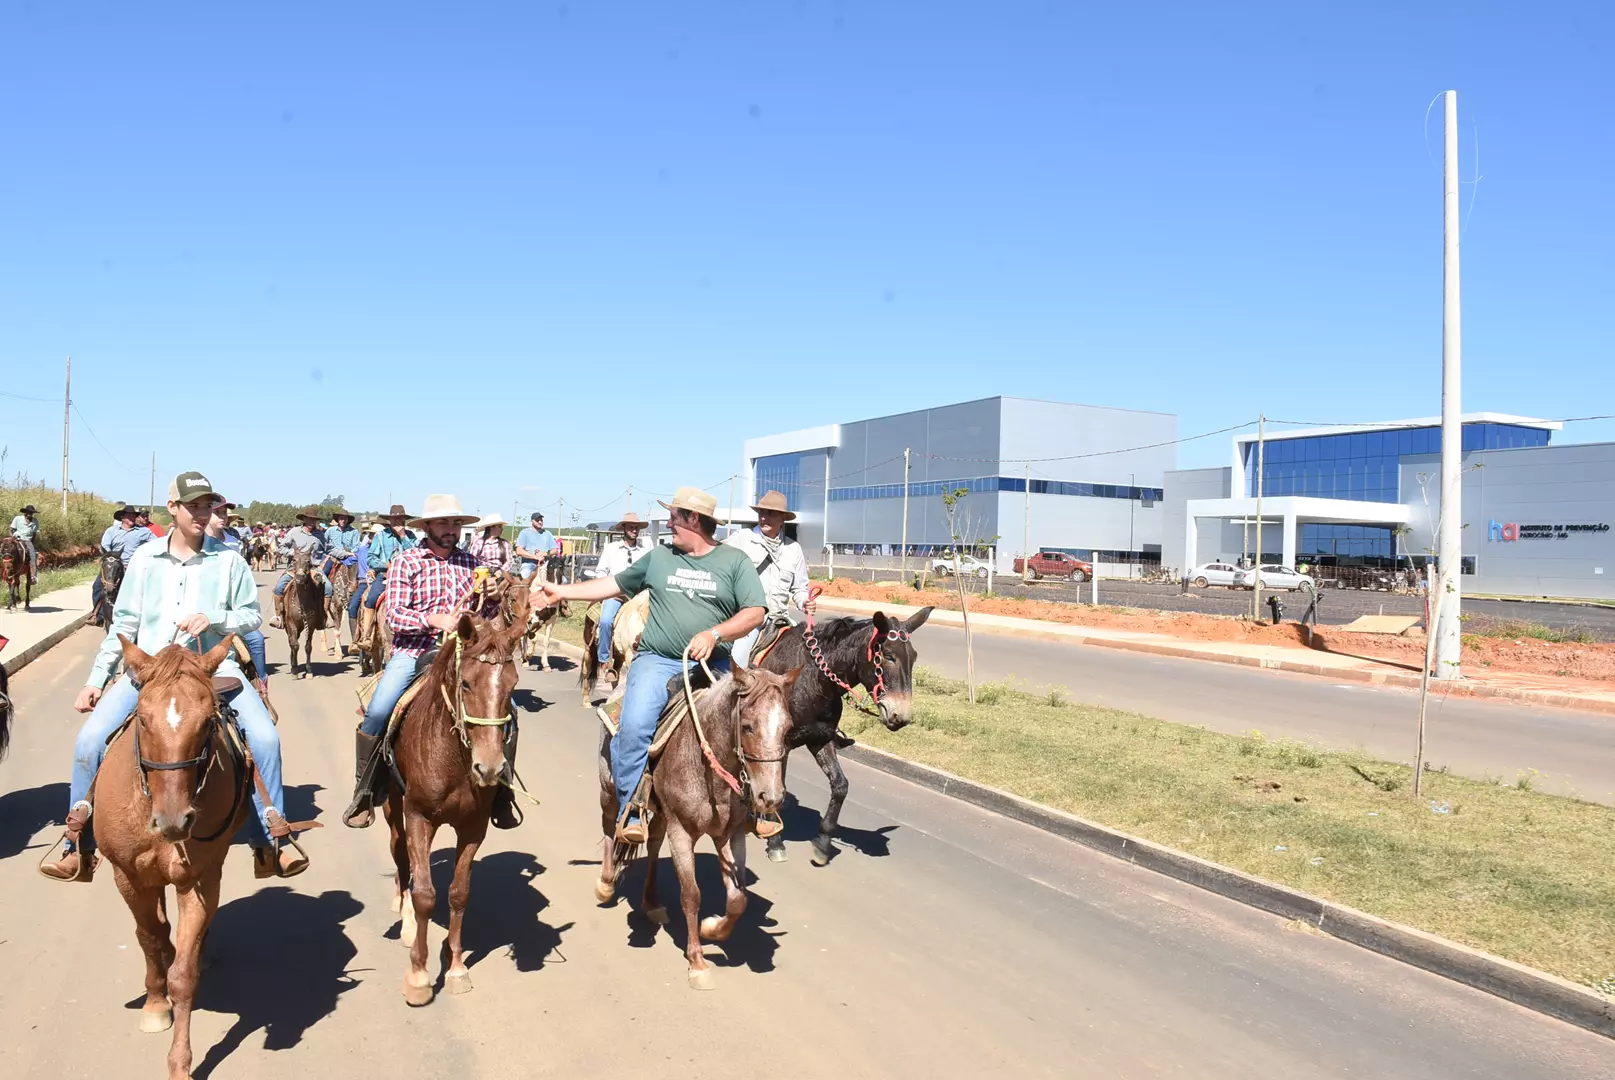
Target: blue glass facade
783, 473
1365, 466
979, 484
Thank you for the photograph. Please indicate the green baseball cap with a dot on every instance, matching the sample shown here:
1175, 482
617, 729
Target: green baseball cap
191, 485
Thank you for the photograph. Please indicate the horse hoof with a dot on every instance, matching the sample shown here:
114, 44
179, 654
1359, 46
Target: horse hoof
821, 855
605, 891
416, 996
701, 979
153, 1021
777, 854
657, 915
458, 984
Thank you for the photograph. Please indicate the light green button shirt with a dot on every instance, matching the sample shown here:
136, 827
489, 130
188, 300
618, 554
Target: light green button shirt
159, 590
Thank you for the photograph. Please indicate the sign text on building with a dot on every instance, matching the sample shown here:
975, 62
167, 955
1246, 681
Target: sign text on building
1510, 532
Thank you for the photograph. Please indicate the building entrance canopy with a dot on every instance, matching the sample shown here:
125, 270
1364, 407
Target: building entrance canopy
1287, 513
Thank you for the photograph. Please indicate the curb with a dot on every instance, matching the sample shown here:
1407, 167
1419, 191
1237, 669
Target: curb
1552, 698
45, 644
1535, 990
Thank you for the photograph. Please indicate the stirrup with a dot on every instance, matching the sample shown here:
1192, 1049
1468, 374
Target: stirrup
767, 826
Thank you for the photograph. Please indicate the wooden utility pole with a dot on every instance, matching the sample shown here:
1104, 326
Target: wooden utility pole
67, 412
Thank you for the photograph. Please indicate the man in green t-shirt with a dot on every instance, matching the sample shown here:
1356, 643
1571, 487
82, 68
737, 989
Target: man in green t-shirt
703, 595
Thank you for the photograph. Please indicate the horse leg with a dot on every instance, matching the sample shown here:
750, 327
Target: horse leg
826, 756
605, 890
544, 650
393, 811
417, 983
458, 979
196, 908
683, 845
151, 931
732, 860
651, 902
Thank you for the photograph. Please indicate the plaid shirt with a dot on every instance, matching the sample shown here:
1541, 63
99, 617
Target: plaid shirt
495, 554
421, 584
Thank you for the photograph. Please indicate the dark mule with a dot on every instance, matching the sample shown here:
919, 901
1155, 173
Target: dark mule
876, 654
167, 800
746, 721
111, 577
451, 759
14, 572
302, 610
344, 579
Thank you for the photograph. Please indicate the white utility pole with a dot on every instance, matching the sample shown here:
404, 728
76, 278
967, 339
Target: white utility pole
903, 574
67, 409
829, 551
151, 496
1449, 546
1026, 530
1261, 455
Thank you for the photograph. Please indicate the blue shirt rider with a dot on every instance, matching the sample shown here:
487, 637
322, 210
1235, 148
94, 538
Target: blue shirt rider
384, 548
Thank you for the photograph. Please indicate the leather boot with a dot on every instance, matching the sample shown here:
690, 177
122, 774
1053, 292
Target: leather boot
366, 767
80, 861
505, 813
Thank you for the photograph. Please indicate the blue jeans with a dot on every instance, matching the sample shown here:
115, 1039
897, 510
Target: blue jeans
353, 602
118, 701
642, 704
254, 641
286, 578
527, 569
373, 594
395, 679
608, 619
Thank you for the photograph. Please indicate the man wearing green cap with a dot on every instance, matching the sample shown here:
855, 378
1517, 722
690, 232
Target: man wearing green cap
190, 589
703, 596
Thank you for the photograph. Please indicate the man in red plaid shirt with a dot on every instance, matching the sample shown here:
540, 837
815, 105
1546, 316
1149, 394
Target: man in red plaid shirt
427, 588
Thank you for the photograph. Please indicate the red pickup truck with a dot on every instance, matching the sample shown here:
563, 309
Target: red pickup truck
1056, 564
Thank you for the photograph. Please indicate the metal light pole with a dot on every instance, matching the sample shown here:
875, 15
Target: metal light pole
1261, 456
67, 407
1026, 530
1449, 546
903, 573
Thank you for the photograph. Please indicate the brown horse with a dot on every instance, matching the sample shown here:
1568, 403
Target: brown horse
344, 580
625, 631
167, 800
745, 721
14, 572
451, 755
302, 610
373, 639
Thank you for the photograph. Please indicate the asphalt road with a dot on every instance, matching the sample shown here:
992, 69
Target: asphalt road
942, 941
1574, 752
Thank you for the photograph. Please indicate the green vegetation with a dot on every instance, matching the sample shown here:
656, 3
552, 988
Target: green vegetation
1527, 876
63, 577
87, 515
1479, 626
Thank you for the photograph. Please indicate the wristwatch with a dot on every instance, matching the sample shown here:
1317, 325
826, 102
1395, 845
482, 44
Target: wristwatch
717, 638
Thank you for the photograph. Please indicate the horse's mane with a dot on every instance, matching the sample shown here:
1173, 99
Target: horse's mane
174, 662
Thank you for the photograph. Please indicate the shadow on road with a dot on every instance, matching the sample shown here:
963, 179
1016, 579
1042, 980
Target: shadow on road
25, 812
503, 912
753, 943
802, 824
526, 700
295, 991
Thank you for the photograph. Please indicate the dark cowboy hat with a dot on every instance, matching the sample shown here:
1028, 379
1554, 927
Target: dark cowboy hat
124, 511
339, 512
309, 513
397, 510
29, 509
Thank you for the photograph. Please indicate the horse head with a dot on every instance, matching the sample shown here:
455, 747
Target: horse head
111, 569
888, 663
762, 727
302, 566
478, 676
174, 723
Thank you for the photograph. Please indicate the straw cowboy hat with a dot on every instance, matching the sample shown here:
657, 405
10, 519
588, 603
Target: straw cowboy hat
774, 500
630, 518
377, 529
694, 500
491, 519
441, 508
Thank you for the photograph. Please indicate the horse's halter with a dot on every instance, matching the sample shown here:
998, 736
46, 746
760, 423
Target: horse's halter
456, 705
876, 692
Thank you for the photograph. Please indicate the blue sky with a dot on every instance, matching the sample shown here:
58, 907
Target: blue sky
527, 252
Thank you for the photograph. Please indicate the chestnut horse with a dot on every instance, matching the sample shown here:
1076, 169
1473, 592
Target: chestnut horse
14, 572
302, 610
167, 800
450, 755
744, 723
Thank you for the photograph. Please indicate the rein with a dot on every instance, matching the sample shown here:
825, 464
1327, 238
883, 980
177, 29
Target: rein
741, 786
871, 708
460, 718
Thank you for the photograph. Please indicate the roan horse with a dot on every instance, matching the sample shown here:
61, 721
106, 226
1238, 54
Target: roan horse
111, 577
344, 579
625, 631
743, 722
302, 610
167, 800
450, 755
876, 654
14, 572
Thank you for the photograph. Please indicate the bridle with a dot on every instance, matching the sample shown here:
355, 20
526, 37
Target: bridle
893, 635
741, 786
202, 762
458, 717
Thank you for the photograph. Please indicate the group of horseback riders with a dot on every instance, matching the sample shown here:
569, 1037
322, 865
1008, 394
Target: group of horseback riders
708, 602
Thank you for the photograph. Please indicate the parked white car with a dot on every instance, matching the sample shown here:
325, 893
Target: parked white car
969, 566
1213, 573
1273, 577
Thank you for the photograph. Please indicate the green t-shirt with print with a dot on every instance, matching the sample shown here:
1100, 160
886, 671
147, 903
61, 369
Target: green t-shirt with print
691, 593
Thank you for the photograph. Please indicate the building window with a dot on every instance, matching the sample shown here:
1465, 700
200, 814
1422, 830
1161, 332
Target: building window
1147, 496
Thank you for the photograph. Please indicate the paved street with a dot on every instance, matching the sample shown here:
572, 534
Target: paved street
1573, 751
943, 941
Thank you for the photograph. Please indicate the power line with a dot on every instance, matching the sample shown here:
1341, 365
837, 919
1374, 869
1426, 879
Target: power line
97, 439
26, 397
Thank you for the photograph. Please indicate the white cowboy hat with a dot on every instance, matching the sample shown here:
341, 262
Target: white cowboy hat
441, 508
491, 519
694, 500
377, 529
630, 518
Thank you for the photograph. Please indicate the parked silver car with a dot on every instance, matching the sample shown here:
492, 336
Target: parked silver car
1273, 577
1213, 573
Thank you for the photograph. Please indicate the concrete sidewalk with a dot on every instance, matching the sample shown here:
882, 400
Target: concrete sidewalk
55, 615
1535, 689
